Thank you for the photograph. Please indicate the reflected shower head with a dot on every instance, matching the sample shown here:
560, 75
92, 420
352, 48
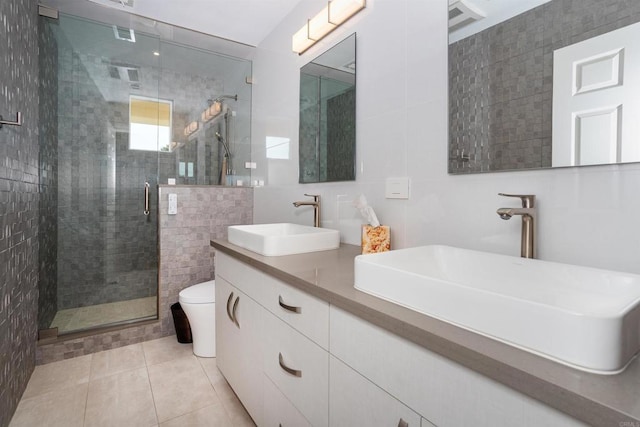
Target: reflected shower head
224, 144
221, 97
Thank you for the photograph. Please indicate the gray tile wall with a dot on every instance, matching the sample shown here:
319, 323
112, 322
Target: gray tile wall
500, 82
86, 192
18, 201
341, 135
186, 258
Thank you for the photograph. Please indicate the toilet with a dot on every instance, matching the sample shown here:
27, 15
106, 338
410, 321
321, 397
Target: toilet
198, 303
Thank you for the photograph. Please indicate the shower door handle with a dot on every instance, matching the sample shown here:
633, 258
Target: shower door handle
146, 198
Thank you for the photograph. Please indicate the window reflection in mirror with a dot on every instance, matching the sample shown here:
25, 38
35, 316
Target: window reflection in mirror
328, 115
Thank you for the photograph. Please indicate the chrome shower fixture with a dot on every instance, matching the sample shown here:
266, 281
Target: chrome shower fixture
221, 97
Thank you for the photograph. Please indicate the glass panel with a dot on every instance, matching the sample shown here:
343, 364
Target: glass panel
211, 115
107, 262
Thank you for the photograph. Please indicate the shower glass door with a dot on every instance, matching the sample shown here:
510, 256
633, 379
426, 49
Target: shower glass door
111, 127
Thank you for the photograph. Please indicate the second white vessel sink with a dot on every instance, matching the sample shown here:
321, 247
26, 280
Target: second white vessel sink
583, 317
283, 239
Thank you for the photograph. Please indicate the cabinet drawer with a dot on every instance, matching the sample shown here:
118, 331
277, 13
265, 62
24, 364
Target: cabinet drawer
305, 313
278, 410
244, 277
298, 367
356, 401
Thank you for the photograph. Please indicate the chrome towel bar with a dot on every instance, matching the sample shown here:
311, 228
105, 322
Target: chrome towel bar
18, 121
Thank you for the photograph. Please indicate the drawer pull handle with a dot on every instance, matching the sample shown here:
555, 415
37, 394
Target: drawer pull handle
403, 423
233, 313
289, 307
294, 372
229, 308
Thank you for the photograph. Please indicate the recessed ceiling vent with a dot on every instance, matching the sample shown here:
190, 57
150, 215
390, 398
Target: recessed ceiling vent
125, 72
462, 13
126, 34
124, 3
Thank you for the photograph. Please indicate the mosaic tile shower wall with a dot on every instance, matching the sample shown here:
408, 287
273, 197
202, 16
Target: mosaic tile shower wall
341, 132
327, 129
48, 137
18, 201
186, 258
86, 183
309, 112
506, 123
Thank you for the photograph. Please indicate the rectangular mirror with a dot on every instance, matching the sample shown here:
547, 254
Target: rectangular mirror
328, 115
542, 83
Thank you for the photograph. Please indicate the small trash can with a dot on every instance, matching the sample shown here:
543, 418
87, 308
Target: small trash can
181, 323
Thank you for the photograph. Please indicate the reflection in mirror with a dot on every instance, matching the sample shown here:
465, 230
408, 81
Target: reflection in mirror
542, 86
328, 115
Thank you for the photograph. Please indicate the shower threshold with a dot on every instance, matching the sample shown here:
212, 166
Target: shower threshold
103, 315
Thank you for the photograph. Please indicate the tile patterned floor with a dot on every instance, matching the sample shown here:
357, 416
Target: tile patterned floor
155, 383
73, 319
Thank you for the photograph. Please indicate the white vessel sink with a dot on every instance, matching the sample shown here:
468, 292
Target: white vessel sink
283, 239
583, 317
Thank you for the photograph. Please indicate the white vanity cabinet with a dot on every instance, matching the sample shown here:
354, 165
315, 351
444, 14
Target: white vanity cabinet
239, 332
440, 390
278, 410
290, 354
296, 360
356, 401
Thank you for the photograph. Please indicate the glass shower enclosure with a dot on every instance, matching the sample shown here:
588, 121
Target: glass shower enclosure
116, 107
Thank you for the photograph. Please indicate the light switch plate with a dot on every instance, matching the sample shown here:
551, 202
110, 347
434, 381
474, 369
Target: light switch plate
173, 204
397, 188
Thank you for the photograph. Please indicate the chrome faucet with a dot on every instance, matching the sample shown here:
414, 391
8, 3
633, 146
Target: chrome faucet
316, 207
528, 213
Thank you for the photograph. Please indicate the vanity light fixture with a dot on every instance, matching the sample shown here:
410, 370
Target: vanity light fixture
328, 19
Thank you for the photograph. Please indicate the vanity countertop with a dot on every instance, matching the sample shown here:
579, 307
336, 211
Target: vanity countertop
601, 400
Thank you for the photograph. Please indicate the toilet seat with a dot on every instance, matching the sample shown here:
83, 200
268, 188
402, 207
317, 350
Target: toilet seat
202, 293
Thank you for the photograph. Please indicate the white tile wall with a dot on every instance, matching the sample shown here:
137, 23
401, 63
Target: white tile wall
587, 216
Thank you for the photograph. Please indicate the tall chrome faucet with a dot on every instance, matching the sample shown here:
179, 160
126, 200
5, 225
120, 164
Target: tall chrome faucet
528, 213
316, 207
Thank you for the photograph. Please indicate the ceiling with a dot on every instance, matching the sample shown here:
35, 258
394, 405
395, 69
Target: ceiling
243, 21
494, 12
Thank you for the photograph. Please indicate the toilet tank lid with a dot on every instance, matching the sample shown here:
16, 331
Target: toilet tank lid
201, 293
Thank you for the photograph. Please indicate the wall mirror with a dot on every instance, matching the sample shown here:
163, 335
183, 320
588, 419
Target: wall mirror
328, 115
542, 83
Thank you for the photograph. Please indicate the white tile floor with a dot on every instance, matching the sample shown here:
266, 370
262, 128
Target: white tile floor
155, 383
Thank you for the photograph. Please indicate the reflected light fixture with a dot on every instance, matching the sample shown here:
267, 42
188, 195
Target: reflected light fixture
191, 128
328, 19
212, 111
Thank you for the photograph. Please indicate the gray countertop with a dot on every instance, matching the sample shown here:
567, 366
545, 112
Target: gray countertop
601, 400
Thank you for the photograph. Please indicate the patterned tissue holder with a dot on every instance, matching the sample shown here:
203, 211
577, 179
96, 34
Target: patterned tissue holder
375, 239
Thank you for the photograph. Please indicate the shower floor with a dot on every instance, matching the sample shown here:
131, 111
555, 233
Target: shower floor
74, 319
